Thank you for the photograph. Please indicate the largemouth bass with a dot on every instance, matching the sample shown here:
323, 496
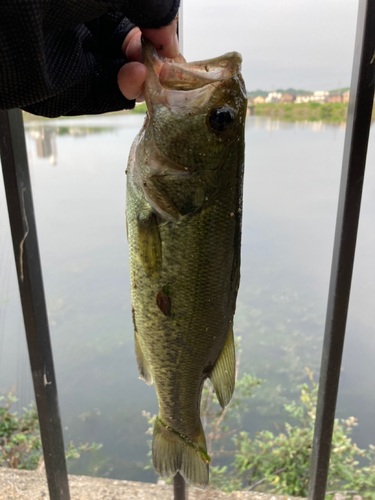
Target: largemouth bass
184, 202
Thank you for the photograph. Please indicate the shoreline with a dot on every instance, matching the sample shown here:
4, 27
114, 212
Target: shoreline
331, 112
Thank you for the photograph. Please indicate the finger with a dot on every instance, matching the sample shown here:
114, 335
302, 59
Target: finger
131, 78
132, 46
165, 40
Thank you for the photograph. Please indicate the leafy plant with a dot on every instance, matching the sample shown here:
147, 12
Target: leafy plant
20, 441
280, 463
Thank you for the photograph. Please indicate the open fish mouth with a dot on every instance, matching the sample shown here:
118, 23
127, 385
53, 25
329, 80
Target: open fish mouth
178, 75
189, 76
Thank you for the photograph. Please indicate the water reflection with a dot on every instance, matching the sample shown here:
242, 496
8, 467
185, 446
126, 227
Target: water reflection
272, 124
45, 139
290, 201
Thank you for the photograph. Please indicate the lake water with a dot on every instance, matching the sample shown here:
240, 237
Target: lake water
290, 202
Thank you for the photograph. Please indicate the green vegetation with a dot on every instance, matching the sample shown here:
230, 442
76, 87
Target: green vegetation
269, 462
279, 462
20, 441
81, 131
310, 111
139, 108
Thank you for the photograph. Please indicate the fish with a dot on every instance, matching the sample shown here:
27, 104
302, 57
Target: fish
184, 213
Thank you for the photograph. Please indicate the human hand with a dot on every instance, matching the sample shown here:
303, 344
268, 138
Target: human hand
132, 75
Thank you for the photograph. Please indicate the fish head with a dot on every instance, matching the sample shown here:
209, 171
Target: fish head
196, 111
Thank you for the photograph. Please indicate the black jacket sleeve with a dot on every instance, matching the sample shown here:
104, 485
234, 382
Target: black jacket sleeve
61, 57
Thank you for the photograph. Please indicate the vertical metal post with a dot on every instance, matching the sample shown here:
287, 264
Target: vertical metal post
354, 160
179, 487
30, 281
179, 27
179, 484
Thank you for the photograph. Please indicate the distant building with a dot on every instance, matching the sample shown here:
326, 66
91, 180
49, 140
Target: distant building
45, 139
317, 96
250, 107
334, 97
259, 99
302, 98
287, 98
273, 97
345, 96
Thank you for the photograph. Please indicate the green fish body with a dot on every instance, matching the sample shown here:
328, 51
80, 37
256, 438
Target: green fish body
184, 203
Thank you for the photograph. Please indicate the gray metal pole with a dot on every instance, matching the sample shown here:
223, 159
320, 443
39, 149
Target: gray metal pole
30, 282
180, 27
353, 168
179, 484
179, 487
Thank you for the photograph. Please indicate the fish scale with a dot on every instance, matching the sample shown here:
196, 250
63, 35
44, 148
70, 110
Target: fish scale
184, 249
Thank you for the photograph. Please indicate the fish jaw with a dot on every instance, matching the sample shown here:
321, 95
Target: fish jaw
177, 74
172, 83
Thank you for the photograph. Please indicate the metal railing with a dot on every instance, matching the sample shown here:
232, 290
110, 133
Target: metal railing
352, 176
30, 281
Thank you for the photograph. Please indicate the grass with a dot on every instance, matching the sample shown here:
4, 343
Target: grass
310, 111
140, 108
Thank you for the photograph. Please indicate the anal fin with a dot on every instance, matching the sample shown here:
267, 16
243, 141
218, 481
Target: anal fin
143, 367
223, 375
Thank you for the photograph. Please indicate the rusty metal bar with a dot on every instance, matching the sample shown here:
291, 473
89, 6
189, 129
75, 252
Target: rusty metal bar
353, 168
30, 282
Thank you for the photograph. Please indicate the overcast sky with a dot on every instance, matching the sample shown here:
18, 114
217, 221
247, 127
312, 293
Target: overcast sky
305, 44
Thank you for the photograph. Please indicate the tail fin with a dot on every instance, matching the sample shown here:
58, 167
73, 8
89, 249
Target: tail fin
173, 452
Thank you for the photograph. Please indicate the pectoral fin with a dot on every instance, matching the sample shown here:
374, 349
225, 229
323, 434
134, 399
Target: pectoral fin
143, 366
224, 372
159, 200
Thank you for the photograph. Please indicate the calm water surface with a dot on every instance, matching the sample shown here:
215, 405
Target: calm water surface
290, 201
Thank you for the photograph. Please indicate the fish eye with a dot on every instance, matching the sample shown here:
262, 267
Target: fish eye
221, 118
